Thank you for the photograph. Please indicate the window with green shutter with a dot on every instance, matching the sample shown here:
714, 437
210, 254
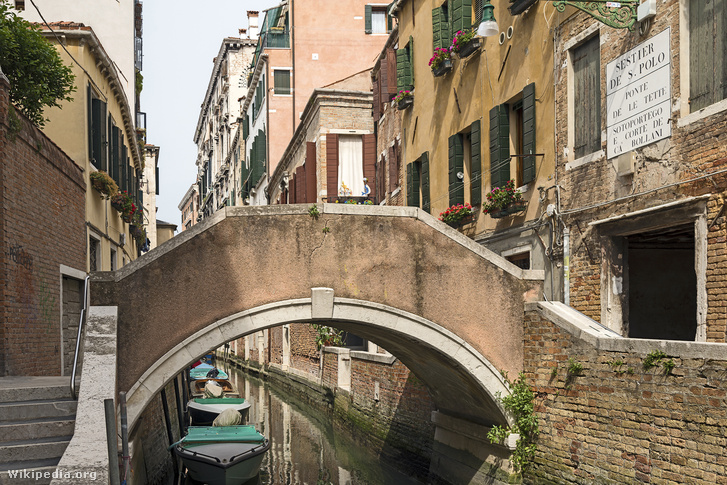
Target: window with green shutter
441, 34
499, 146
281, 78
587, 97
98, 134
707, 45
423, 166
376, 19
461, 15
115, 155
456, 169
412, 184
475, 164
528, 134
404, 70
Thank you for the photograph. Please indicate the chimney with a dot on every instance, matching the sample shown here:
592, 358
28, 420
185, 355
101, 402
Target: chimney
253, 28
241, 33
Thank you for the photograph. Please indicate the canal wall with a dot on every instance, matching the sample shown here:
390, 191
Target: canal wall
613, 411
381, 404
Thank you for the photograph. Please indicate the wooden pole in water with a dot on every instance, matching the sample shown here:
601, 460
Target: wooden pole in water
168, 424
124, 438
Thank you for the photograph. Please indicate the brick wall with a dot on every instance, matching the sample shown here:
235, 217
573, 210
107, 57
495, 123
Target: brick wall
42, 226
666, 171
619, 423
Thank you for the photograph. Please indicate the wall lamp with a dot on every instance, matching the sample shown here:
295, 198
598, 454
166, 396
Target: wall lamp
488, 27
619, 15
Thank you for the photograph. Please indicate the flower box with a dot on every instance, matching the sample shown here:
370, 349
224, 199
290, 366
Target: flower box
498, 213
462, 222
469, 48
444, 67
515, 207
405, 102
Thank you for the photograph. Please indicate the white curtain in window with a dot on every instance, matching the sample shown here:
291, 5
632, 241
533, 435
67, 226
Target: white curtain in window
350, 165
378, 22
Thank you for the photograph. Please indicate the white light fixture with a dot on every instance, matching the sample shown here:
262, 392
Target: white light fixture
488, 27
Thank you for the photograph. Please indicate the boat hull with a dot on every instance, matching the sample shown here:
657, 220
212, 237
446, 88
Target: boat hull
215, 457
203, 414
196, 387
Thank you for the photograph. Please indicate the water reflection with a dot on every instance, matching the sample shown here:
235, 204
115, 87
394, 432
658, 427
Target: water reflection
305, 448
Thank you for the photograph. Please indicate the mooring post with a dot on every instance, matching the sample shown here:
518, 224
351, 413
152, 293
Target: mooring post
168, 424
180, 410
111, 442
126, 459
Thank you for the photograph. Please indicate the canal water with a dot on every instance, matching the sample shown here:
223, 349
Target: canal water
305, 448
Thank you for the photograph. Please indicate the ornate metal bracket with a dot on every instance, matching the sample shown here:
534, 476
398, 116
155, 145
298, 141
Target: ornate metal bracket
619, 15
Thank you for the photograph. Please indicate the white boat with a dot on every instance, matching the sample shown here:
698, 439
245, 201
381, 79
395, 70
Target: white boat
203, 411
225, 455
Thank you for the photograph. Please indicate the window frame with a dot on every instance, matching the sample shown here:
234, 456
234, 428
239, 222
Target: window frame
280, 70
589, 35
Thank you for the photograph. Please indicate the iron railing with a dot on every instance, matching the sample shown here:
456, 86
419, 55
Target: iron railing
80, 333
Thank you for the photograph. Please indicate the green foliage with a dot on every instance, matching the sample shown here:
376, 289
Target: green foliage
326, 230
314, 212
521, 405
139, 78
554, 373
656, 358
574, 368
653, 359
327, 335
38, 78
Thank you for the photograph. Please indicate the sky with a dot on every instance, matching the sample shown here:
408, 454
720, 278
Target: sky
181, 38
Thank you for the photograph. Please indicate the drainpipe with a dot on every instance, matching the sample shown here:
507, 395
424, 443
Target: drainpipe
566, 266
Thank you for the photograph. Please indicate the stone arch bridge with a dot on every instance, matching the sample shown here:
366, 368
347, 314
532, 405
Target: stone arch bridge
449, 309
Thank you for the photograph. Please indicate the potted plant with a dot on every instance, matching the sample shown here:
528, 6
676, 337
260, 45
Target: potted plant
123, 203
465, 43
505, 200
441, 62
104, 184
457, 215
404, 99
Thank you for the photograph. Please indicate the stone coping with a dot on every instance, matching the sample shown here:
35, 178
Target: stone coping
325, 208
603, 338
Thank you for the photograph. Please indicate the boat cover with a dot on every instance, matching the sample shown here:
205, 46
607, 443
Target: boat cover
218, 400
222, 434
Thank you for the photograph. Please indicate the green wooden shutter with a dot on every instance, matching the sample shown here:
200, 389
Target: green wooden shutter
245, 127
528, 133
499, 146
410, 50
441, 37
124, 167
98, 130
89, 119
426, 201
368, 19
402, 82
461, 13
456, 165
412, 185
475, 164
115, 155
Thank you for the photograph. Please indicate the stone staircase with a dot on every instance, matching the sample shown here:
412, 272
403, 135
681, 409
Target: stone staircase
37, 417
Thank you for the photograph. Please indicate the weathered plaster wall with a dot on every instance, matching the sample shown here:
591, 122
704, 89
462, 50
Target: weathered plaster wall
400, 258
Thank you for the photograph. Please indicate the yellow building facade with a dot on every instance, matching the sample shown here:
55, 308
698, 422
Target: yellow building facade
97, 131
483, 122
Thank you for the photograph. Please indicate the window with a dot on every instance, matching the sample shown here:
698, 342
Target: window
113, 259
404, 71
377, 21
587, 97
93, 252
707, 44
521, 260
281, 78
97, 146
512, 136
441, 34
465, 166
417, 183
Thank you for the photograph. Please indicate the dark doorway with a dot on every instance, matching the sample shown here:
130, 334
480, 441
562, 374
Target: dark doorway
662, 284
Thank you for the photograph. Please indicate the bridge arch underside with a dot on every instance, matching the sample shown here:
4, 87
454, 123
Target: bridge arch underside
462, 382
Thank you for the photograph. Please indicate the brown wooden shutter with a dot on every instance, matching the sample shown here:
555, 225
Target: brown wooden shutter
300, 185
332, 166
377, 95
311, 180
384, 96
380, 178
391, 72
393, 168
369, 162
293, 199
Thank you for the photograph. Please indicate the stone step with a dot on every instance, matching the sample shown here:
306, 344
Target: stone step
12, 452
36, 428
31, 388
28, 473
29, 410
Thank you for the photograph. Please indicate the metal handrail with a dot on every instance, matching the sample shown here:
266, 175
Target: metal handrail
78, 339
